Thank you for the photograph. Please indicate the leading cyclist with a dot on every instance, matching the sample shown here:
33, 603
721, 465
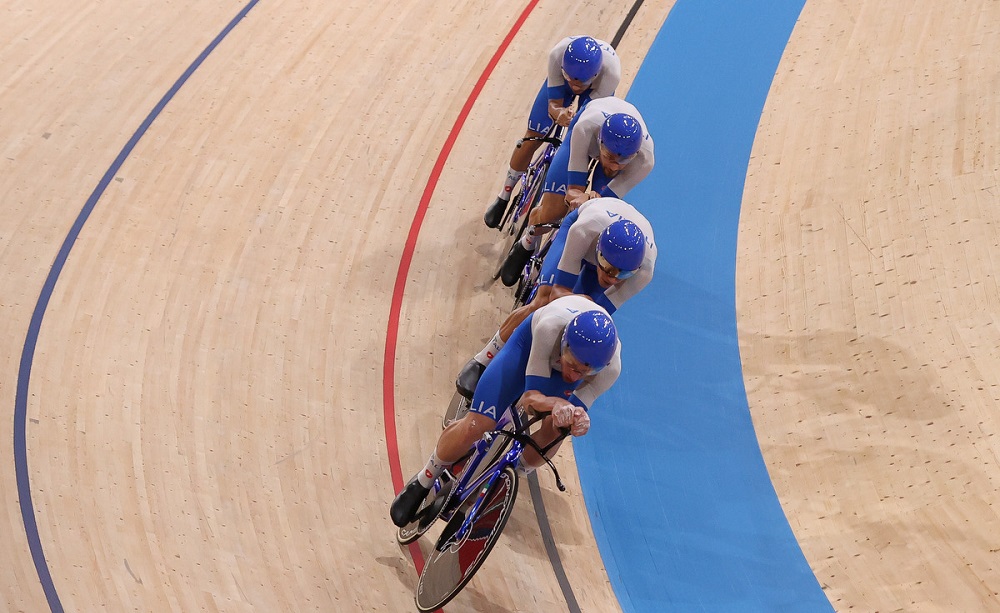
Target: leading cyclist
560, 359
578, 66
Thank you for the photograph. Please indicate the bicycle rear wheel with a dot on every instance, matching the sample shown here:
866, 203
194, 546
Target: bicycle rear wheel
453, 562
511, 235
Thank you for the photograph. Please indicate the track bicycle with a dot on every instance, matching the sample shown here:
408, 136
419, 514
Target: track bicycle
527, 283
474, 498
529, 192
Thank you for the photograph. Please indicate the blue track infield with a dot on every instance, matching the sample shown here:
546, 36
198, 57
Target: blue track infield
681, 503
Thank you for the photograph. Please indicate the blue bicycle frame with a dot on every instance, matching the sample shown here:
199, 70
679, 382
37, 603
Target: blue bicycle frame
511, 427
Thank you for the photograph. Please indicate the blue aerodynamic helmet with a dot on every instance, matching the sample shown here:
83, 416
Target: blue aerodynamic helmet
621, 134
592, 339
622, 245
582, 59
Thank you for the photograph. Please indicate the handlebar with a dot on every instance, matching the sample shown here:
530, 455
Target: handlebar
522, 437
553, 136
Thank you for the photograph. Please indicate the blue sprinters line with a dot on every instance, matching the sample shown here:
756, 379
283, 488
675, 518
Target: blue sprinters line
681, 503
28, 353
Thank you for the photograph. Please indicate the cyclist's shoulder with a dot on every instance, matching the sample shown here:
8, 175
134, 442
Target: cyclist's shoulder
609, 105
567, 307
609, 209
606, 48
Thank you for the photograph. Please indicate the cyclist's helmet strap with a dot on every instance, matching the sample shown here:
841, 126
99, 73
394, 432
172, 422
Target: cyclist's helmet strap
582, 59
623, 245
592, 339
622, 134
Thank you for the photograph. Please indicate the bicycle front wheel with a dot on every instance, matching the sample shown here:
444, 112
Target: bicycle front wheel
455, 560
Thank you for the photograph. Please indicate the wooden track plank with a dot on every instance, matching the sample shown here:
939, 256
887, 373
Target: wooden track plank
866, 300
204, 423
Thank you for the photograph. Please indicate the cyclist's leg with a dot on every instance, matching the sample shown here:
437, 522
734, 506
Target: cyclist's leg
473, 369
554, 189
538, 123
550, 265
468, 378
456, 440
553, 203
500, 386
552, 207
520, 158
515, 319
453, 443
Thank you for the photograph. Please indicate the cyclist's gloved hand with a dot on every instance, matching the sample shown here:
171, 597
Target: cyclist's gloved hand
581, 422
562, 415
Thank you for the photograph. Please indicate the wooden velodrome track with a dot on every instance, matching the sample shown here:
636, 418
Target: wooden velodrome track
203, 426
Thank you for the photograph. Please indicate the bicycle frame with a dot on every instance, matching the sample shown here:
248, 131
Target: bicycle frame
475, 507
531, 182
470, 483
527, 286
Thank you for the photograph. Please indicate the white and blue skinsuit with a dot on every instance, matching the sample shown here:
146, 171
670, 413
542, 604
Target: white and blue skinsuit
531, 361
571, 261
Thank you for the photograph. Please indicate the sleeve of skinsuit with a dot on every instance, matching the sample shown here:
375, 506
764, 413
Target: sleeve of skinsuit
611, 73
579, 243
586, 394
546, 331
556, 80
583, 135
635, 171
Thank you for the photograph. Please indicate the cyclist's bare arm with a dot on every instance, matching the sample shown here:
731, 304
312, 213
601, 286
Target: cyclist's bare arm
533, 401
558, 291
577, 195
545, 295
565, 418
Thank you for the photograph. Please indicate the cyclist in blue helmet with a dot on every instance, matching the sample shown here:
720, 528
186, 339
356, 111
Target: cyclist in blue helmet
621, 135
604, 250
610, 132
621, 249
591, 340
580, 68
581, 62
584, 338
